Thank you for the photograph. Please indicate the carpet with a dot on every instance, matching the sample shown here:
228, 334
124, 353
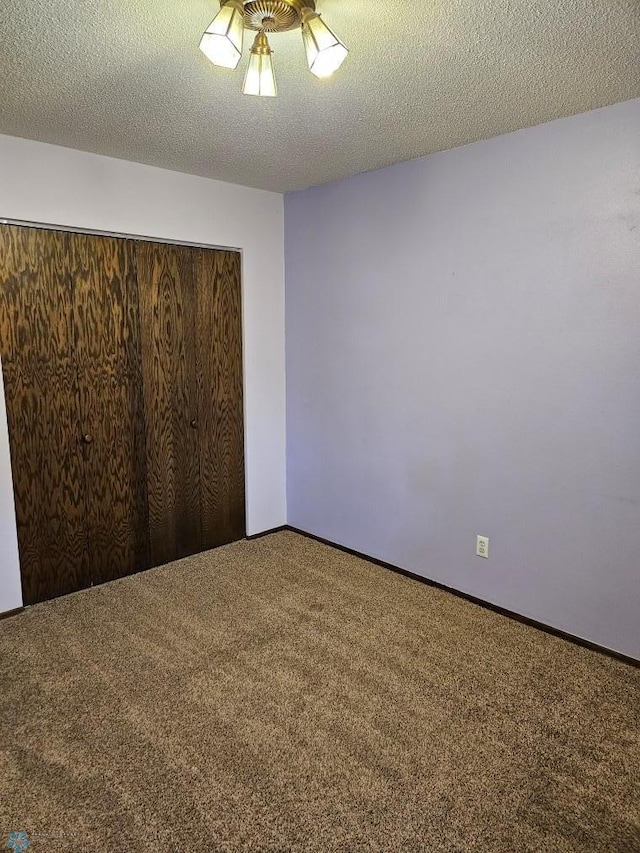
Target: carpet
280, 695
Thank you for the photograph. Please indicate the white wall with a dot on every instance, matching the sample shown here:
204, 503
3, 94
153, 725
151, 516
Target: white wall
58, 186
10, 591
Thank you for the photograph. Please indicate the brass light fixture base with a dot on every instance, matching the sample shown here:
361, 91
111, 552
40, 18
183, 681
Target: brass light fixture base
275, 16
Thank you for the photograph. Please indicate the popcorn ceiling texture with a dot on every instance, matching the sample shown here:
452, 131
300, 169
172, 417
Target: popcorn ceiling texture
127, 80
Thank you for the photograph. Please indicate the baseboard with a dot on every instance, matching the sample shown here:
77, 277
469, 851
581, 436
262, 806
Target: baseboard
8, 613
268, 532
510, 614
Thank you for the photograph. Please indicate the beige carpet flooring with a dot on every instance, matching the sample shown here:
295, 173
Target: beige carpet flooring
279, 695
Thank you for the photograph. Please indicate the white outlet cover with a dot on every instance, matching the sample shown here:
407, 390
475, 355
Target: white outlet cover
482, 547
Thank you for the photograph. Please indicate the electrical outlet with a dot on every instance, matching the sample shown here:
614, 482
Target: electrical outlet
482, 547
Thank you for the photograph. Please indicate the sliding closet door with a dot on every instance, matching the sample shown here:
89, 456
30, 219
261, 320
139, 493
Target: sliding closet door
220, 407
108, 355
37, 346
123, 374
167, 323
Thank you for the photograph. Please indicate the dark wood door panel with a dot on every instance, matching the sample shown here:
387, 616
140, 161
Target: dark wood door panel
115, 474
36, 343
108, 353
219, 370
37, 319
123, 376
167, 321
48, 479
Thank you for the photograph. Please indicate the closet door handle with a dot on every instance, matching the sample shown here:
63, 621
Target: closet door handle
87, 438
194, 424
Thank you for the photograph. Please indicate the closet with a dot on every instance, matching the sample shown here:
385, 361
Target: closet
122, 366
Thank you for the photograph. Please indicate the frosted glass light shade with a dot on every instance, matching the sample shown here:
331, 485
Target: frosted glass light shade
222, 41
260, 78
325, 51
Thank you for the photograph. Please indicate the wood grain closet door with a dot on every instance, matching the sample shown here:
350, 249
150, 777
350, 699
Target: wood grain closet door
107, 334
167, 323
220, 403
37, 346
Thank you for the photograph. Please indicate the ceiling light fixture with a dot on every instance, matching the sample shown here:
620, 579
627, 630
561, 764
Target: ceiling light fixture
222, 40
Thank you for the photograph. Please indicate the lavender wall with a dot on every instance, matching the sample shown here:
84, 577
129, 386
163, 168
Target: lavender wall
463, 357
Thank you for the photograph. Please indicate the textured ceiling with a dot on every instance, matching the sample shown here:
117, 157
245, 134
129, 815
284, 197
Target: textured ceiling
127, 79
